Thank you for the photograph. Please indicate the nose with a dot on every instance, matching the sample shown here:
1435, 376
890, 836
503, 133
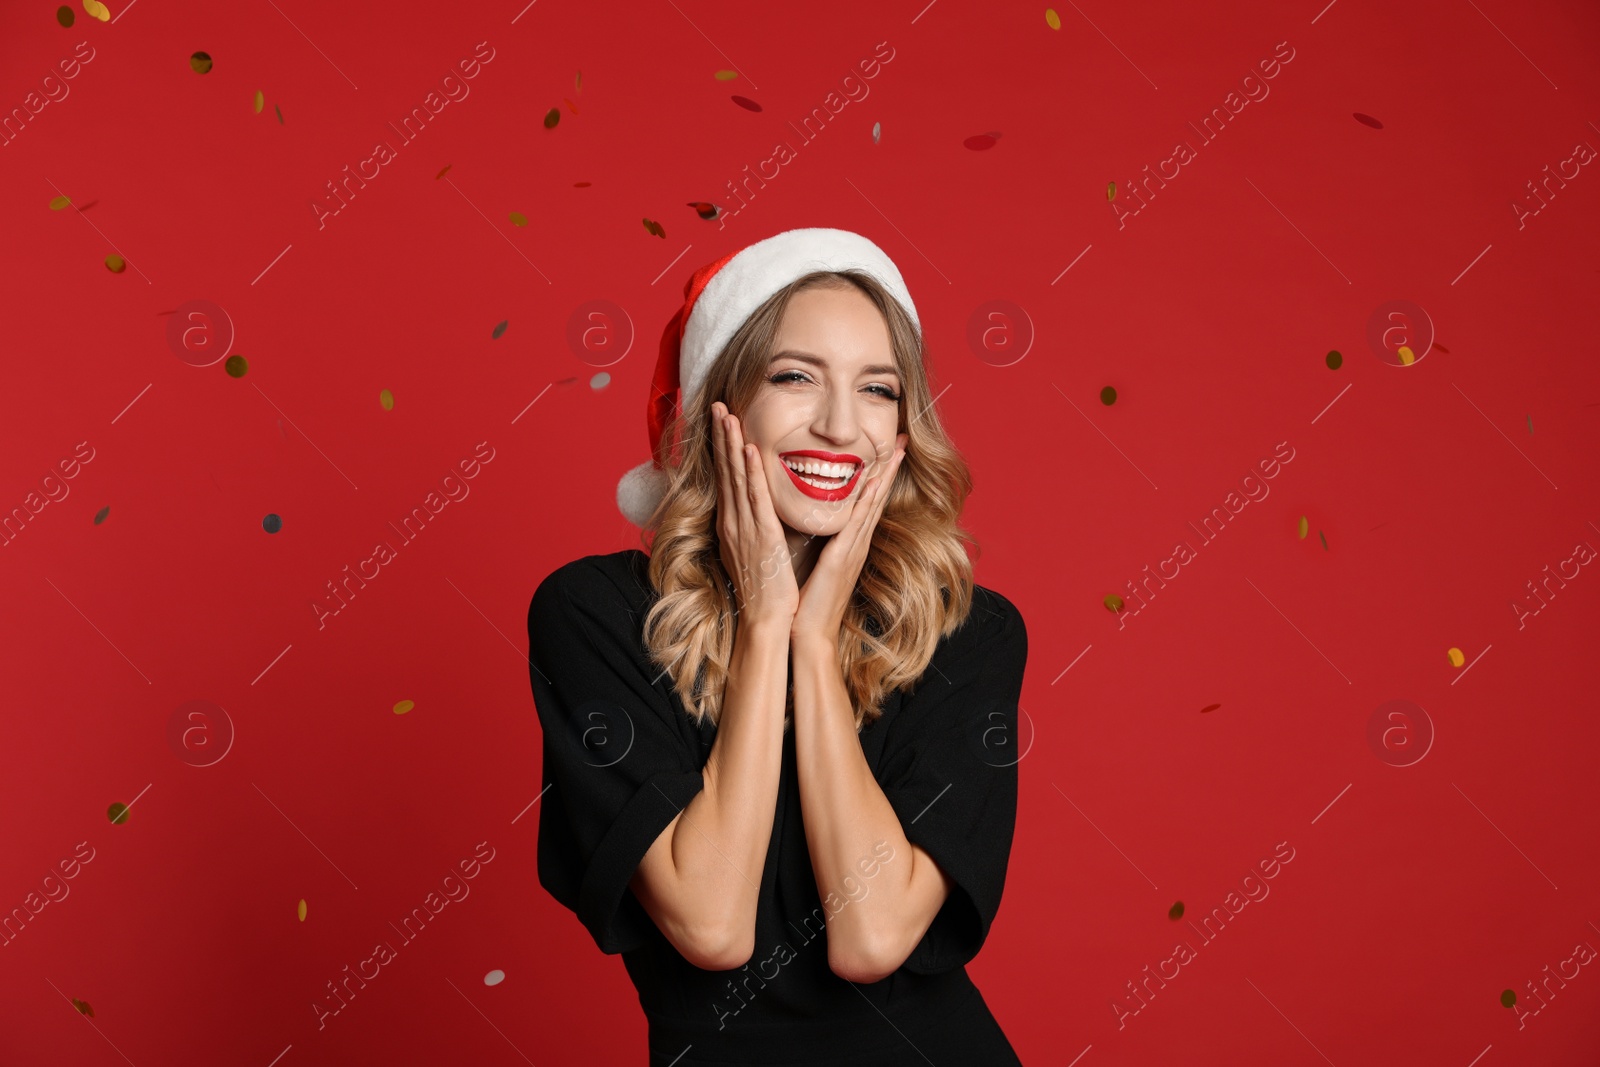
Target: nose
835, 419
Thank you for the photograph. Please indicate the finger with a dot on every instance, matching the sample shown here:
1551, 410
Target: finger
724, 478
739, 466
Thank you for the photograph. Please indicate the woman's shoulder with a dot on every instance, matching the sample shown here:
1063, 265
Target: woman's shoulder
624, 573
991, 617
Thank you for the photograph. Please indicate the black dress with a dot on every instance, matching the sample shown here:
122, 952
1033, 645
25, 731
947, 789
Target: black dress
624, 758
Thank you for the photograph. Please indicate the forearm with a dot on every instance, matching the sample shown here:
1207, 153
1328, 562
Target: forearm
719, 846
846, 817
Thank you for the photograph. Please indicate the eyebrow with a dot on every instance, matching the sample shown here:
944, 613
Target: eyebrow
817, 361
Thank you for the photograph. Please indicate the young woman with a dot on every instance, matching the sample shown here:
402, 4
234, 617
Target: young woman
782, 744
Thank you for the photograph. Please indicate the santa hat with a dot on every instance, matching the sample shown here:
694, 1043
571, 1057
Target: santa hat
717, 299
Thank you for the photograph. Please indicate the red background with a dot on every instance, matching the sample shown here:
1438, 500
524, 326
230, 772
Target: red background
1416, 895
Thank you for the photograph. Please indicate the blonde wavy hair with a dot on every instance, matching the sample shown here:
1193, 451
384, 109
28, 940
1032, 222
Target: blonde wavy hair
916, 583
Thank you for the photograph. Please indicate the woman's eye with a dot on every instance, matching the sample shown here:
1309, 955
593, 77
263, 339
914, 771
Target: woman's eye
795, 376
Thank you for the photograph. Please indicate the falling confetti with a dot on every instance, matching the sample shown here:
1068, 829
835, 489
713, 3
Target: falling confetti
746, 103
1508, 998
386, 400
100, 516
518, 219
236, 366
1305, 527
260, 101
552, 117
65, 16
83, 1006
404, 706
570, 105
1324, 540
705, 210
1407, 357
1335, 360
117, 813
1441, 348
1052, 19
115, 263
1368, 119
1530, 424
577, 83
1455, 657
301, 909
600, 381
1176, 911
1113, 603
95, 9
59, 202
566, 381
877, 131
500, 329
1111, 191
200, 61
494, 977
725, 75
581, 185
441, 174
979, 141
1209, 707
655, 228
279, 110
272, 523
1108, 396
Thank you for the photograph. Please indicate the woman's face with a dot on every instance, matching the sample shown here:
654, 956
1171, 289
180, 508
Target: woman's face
831, 387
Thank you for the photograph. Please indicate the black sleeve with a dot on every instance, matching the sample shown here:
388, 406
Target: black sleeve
953, 780
617, 764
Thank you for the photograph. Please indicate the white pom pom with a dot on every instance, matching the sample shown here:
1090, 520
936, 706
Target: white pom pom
639, 491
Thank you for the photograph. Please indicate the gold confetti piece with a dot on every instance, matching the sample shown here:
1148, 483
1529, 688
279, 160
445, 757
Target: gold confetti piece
1108, 396
83, 1006
877, 131
500, 329
96, 10
260, 100
236, 366
115, 263
577, 83
1111, 190
552, 117
404, 706
441, 174
1530, 424
117, 813
1508, 998
655, 228
1305, 527
518, 219
1324, 541
1052, 19
386, 400
1176, 911
1113, 603
200, 62
1407, 357
1335, 360
65, 16
301, 910
1455, 657
100, 516
725, 75
59, 202
279, 110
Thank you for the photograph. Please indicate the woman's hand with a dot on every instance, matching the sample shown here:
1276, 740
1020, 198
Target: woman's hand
754, 551
833, 577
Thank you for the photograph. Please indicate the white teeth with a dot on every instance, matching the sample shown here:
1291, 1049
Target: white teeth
815, 466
